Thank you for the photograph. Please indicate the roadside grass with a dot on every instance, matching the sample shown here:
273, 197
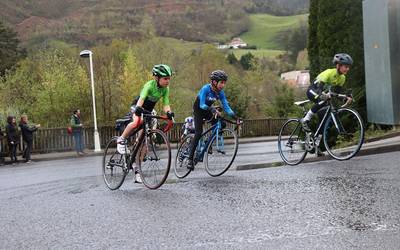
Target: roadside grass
372, 133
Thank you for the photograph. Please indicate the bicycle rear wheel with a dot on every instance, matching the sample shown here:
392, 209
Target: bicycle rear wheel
221, 152
154, 159
344, 135
180, 167
115, 167
291, 142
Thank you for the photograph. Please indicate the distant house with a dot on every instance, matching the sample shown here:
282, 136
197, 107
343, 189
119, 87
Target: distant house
223, 46
299, 78
237, 43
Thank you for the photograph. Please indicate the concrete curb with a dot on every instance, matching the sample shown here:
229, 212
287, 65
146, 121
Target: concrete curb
91, 154
362, 152
60, 156
52, 157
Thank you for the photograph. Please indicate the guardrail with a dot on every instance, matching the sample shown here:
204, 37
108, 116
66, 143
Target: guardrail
46, 140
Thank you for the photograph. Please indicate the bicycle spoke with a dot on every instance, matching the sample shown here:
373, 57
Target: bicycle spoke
292, 147
221, 152
343, 134
180, 166
154, 159
114, 166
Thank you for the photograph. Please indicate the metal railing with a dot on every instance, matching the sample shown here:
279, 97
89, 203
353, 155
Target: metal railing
46, 140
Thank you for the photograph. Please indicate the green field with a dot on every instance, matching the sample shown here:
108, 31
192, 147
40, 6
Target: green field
188, 46
257, 53
181, 44
264, 28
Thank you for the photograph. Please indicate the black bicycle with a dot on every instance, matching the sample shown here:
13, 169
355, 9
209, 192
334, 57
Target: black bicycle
341, 129
148, 147
217, 147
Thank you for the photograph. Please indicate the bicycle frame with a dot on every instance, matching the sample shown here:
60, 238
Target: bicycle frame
144, 126
330, 112
200, 153
219, 140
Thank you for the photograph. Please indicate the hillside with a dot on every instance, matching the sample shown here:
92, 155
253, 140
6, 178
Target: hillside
278, 7
89, 22
93, 21
264, 28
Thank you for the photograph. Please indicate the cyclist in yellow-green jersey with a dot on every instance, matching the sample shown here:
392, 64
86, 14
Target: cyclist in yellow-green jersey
335, 78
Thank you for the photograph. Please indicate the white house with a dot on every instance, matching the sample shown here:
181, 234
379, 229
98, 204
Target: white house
299, 78
237, 43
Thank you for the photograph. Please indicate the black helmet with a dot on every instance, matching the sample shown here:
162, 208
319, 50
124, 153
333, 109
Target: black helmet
342, 58
218, 75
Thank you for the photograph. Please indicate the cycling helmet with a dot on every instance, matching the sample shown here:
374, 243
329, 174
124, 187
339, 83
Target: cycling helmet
189, 119
162, 70
218, 75
342, 58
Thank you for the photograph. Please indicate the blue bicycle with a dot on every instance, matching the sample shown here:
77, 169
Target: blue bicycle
217, 148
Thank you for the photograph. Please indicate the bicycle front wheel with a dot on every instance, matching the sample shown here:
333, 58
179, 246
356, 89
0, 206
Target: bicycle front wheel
291, 142
182, 156
343, 134
221, 152
154, 159
115, 167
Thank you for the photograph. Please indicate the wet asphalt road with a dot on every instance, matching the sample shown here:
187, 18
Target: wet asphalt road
328, 205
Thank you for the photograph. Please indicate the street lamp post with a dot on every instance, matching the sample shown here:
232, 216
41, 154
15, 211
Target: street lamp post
85, 54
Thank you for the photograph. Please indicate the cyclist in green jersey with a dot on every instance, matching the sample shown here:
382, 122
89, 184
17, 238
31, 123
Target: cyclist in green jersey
334, 78
151, 93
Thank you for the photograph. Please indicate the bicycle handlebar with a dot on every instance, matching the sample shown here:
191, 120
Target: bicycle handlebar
341, 96
170, 122
237, 122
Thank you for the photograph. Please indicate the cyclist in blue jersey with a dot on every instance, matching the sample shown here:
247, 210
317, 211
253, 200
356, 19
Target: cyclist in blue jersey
203, 109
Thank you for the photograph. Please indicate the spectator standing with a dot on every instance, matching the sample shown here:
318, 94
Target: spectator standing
12, 137
1, 147
77, 128
27, 136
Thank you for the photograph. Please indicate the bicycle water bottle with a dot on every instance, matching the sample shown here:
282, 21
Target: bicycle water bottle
318, 140
202, 145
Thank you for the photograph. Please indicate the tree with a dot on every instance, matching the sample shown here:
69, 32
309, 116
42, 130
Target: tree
294, 40
238, 97
312, 45
147, 27
336, 27
47, 85
278, 7
282, 102
247, 61
231, 58
10, 53
133, 78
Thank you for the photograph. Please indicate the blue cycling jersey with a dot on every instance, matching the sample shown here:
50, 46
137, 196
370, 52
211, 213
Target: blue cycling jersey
207, 97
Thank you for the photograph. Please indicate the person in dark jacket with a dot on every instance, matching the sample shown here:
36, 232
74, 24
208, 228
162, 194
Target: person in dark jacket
77, 128
1, 147
12, 137
27, 136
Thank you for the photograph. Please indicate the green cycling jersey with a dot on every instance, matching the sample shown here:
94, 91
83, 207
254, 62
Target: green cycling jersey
151, 92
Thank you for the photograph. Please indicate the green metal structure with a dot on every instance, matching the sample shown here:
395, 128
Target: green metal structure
382, 60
